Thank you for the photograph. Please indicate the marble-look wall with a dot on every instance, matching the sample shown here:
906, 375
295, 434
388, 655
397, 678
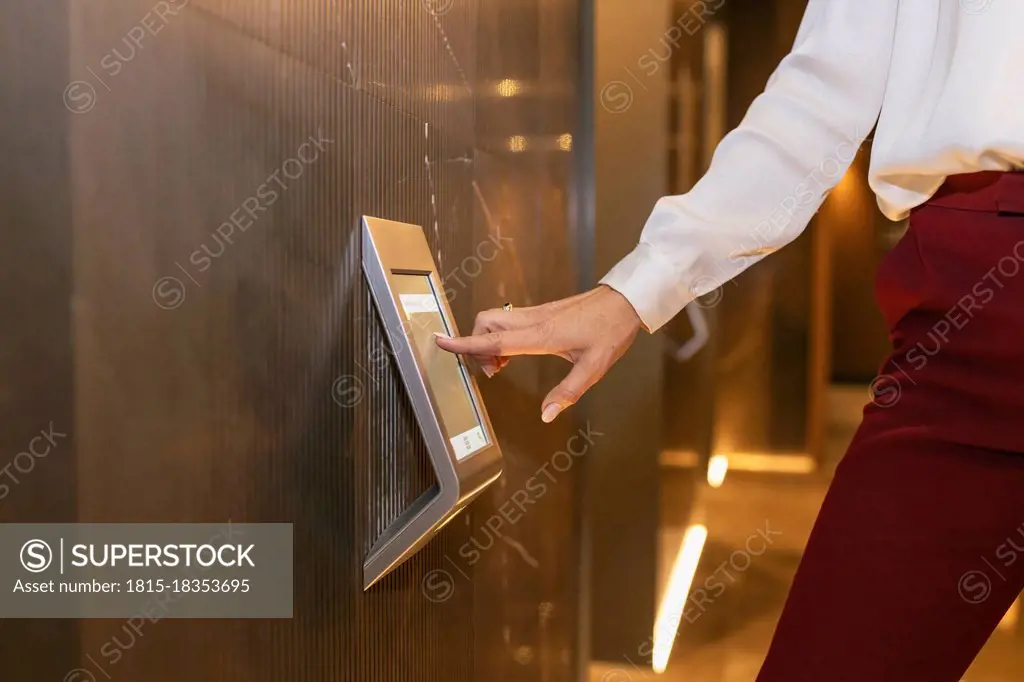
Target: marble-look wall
225, 369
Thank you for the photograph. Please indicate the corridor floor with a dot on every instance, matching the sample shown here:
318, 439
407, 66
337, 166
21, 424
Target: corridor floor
726, 638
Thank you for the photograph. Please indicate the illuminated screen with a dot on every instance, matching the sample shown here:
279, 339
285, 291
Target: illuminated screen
443, 370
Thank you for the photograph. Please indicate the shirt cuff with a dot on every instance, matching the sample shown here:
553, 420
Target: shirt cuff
655, 289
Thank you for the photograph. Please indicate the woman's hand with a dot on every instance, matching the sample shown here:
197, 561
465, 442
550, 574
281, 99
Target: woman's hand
591, 330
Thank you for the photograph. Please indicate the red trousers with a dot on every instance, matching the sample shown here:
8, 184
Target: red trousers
918, 549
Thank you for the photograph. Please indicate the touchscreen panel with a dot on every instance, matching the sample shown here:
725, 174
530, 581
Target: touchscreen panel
443, 370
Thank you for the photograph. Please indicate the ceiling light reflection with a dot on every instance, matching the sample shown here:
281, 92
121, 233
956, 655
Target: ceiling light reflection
673, 602
717, 468
509, 88
517, 143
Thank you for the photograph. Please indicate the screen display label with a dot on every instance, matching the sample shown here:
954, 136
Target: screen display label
467, 443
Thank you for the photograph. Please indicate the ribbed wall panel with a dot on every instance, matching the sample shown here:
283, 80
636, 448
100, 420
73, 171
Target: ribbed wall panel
35, 302
227, 406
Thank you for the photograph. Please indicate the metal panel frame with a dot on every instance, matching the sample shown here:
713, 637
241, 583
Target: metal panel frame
399, 248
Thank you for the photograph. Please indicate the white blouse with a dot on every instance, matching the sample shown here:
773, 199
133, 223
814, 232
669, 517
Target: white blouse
944, 79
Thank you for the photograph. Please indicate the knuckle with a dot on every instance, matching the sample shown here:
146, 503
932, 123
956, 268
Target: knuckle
570, 395
485, 320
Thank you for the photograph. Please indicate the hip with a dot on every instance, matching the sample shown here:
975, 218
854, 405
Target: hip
952, 293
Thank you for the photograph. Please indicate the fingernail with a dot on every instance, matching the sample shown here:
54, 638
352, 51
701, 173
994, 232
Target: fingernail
550, 412
441, 336
488, 372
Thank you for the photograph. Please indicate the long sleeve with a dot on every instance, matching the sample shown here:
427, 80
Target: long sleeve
770, 175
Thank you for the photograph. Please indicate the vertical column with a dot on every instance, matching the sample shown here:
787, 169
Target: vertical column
766, 314
632, 47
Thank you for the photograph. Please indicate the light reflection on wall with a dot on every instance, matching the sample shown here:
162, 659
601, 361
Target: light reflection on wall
850, 193
517, 143
446, 92
539, 143
509, 88
856, 237
670, 610
717, 468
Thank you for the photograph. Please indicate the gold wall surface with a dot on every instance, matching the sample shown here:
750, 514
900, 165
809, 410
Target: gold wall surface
765, 341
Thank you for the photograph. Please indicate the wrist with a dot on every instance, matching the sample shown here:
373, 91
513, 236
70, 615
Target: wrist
624, 309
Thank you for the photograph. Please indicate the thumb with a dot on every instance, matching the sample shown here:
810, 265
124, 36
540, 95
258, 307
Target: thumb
583, 375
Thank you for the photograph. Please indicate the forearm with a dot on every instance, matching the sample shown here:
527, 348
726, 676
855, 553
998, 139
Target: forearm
770, 175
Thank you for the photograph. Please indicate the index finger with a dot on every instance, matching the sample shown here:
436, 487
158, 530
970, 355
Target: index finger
514, 342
